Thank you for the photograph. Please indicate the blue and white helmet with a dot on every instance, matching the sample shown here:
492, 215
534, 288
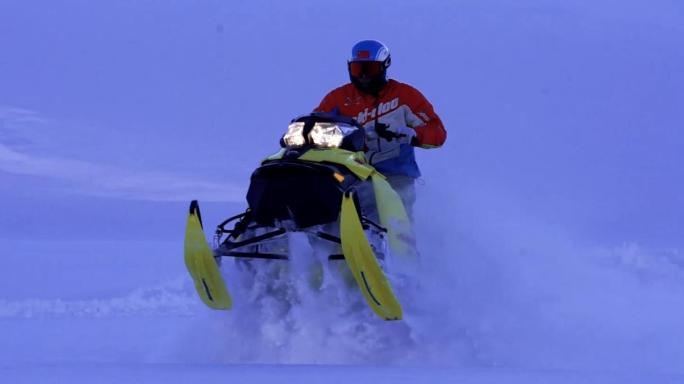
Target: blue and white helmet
368, 65
371, 50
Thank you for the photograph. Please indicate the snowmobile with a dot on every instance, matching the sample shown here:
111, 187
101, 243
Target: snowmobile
320, 183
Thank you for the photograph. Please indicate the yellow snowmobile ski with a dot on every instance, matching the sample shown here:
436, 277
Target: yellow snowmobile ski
199, 259
364, 266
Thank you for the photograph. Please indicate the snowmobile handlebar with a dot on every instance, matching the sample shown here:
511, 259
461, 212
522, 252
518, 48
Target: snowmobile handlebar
383, 131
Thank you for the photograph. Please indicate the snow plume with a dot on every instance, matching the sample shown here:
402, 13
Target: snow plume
518, 293
494, 289
306, 311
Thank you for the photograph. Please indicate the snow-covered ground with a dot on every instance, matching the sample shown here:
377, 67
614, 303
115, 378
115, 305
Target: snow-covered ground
550, 224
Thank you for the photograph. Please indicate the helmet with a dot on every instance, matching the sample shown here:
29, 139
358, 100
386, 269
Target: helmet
368, 66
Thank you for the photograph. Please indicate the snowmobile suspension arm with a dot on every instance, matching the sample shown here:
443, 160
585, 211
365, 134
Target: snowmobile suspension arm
239, 227
228, 245
251, 255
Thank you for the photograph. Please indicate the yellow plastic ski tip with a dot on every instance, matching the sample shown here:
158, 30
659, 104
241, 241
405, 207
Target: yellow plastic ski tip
199, 259
364, 266
194, 210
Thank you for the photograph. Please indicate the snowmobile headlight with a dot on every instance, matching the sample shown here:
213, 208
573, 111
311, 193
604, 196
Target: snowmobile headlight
327, 135
294, 137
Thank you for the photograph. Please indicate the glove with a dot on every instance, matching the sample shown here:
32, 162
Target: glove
395, 132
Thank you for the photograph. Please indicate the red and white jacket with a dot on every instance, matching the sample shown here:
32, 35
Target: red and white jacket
398, 104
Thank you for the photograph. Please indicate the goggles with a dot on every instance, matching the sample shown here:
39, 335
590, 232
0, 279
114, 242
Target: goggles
368, 68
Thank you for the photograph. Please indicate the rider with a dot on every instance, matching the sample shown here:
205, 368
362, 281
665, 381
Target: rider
396, 117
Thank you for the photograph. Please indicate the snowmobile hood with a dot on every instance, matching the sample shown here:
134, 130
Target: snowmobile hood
354, 161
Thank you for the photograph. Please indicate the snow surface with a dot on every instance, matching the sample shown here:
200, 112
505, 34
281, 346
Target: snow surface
550, 224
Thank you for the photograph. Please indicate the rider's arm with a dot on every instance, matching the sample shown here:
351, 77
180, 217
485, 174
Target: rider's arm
430, 132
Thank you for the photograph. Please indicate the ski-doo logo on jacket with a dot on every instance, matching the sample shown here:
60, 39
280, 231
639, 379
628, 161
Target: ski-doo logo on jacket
397, 105
383, 108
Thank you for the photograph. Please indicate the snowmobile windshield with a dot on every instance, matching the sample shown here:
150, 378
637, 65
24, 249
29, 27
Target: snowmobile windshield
321, 134
324, 131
